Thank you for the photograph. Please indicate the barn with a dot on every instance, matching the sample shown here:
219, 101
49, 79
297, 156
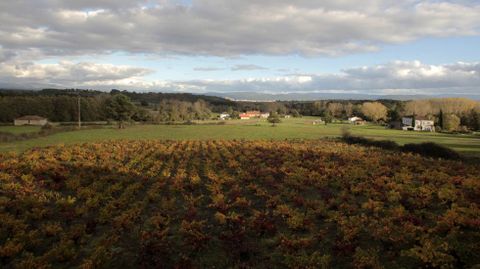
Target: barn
30, 120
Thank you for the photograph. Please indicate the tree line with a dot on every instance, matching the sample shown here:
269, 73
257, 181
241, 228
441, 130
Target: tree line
55, 108
61, 106
101, 107
175, 110
450, 114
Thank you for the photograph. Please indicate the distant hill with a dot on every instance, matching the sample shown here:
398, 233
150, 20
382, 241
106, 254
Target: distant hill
254, 96
148, 97
227, 98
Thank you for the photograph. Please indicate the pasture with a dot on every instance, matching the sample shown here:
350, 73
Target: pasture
294, 128
19, 129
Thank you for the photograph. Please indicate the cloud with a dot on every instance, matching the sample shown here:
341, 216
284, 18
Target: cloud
228, 28
68, 74
247, 67
207, 69
399, 77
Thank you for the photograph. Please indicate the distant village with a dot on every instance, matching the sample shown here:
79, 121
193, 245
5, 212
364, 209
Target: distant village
407, 123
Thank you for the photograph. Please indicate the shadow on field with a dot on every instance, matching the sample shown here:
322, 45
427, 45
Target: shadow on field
427, 149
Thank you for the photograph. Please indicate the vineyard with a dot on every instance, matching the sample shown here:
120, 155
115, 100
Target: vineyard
236, 204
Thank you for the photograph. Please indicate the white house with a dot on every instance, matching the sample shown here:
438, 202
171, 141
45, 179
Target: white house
265, 115
420, 124
320, 121
224, 116
354, 119
30, 120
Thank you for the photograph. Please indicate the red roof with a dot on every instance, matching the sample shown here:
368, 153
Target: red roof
252, 113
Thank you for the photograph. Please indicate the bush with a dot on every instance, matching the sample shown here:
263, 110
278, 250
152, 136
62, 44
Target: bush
463, 130
7, 137
47, 126
44, 131
189, 122
451, 122
431, 149
428, 149
384, 144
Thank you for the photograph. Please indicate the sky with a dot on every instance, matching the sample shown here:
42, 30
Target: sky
378, 47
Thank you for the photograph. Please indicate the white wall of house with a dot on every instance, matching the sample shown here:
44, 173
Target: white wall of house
354, 119
420, 125
424, 125
224, 116
19, 122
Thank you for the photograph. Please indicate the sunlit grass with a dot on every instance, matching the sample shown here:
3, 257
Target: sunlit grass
301, 128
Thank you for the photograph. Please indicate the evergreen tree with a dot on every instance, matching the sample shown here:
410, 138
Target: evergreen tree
440, 118
120, 108
274, 118
327, 117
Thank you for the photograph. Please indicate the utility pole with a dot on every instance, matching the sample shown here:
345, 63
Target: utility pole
79, 113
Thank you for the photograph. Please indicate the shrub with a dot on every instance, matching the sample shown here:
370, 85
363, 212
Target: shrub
451, 122
189, 122
431, 149
384, 144
7, 137
428, 149
47, 126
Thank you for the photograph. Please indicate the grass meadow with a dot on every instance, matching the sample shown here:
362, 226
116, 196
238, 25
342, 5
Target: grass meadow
19, 129
294, 128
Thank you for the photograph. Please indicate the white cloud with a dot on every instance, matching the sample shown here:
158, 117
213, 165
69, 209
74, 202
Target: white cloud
247, 67
392, 78
207, 69
31, 31
228, 28
69, 74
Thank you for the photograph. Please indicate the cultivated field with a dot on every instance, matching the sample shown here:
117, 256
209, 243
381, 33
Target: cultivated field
236, 204
238, 129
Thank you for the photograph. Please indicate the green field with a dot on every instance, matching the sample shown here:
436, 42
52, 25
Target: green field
19, 129
252, 130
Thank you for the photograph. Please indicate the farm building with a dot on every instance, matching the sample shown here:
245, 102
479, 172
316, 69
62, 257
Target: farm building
244, 116
418, 124
320, 121
254, 113
30, 120
224, 116
356, 120
250, 114
265, 115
